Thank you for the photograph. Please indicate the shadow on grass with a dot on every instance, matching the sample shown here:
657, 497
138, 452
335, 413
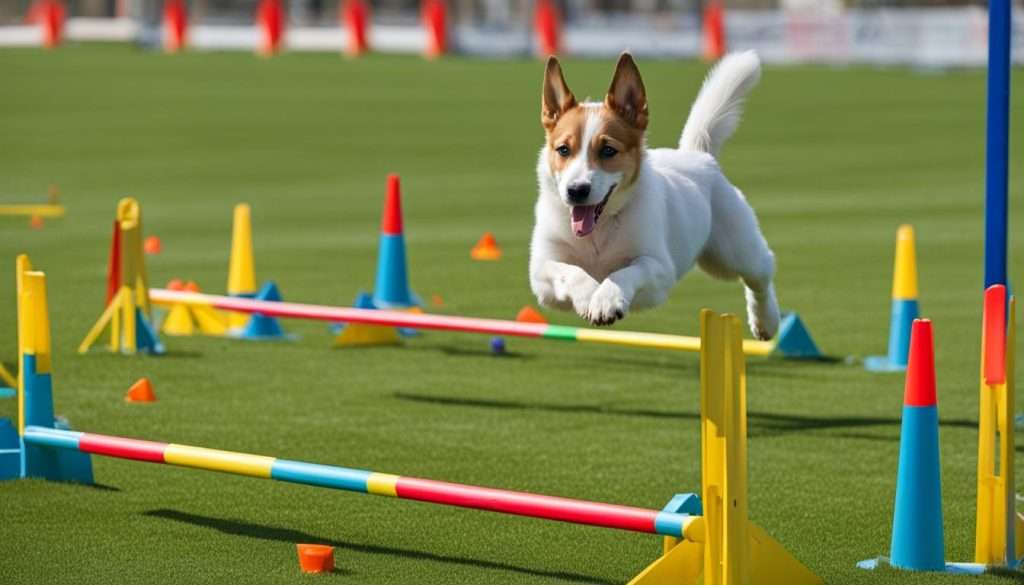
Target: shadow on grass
291, 536
758, 423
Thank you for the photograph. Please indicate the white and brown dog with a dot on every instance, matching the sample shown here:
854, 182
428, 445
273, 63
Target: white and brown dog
618, 224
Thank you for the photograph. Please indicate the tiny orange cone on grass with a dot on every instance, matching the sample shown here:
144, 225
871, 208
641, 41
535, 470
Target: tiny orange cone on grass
316, 558
141, 391
436, 300
175, 284
530, 315
152, 245
191, 286
36, 222
486, 249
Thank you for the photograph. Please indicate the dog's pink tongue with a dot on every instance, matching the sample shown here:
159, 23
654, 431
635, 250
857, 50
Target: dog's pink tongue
583, 219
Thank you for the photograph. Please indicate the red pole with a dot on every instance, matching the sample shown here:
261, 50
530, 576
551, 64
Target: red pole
175, 25
355, 16
270, 17
435, 21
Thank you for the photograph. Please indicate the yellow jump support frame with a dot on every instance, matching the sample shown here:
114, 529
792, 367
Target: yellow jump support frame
723, 545
127, 314
999, 537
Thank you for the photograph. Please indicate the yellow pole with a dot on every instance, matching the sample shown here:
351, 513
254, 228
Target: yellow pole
241, 267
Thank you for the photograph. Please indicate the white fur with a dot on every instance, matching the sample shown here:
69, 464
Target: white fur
680, 211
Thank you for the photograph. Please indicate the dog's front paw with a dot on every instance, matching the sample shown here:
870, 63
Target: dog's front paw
607, 305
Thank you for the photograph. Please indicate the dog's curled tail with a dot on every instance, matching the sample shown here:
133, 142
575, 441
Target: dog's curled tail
719, 105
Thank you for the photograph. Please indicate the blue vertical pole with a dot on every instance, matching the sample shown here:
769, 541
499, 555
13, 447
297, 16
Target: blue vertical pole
997, 143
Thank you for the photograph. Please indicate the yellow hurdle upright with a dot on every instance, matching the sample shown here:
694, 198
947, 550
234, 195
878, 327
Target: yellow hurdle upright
723, 547
999, 536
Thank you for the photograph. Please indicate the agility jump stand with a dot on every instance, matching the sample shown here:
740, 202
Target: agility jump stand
128, 312
722, 544
999, 537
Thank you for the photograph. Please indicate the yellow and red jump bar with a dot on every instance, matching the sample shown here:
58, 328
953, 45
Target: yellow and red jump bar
445, 322
368, 482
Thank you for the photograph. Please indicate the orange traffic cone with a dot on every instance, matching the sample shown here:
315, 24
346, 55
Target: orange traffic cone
36, 222
436, 300
270, 18
175, 284
316, 558
486, 249
713, 30
52, 21
191, 286
175, 25
355, 16
152, 245
141, 391
530, 315
548, 27
435, 22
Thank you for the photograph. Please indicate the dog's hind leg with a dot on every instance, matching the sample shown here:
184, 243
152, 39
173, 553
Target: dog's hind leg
737, 248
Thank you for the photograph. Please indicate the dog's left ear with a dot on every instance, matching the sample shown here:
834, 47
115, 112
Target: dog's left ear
627, 96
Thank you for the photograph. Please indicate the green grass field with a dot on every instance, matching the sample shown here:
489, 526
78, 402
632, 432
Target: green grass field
833, 159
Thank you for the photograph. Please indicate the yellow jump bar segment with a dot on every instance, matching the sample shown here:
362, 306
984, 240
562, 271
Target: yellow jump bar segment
216, 460
382, 484
661, 341
40, 210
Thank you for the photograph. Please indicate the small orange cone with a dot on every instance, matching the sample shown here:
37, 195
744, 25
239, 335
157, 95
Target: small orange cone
152, 245
530, 315
175, 284
436, 300
141, 391
486, 249
36, 222
316, 558
191, 286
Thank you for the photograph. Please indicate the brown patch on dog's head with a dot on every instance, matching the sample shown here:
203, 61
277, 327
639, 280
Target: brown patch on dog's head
626, 139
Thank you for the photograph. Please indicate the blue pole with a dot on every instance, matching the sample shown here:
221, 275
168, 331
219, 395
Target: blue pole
997, 143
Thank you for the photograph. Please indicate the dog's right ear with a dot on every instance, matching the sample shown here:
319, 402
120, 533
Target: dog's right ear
556, 97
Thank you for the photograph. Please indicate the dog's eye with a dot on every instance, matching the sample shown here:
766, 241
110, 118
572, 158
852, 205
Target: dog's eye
563, 150
607, 152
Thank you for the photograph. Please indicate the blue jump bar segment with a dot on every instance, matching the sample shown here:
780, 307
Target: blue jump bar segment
52, 438
670, 524
997, 140
328, 476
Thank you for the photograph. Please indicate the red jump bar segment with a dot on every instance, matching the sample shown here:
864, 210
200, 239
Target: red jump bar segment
526, 504
136, 449
920, 384
995, 335
391, 223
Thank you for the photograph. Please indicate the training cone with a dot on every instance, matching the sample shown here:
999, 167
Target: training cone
262, 326
241, 267
316, 558
904, 305
51, 16
152, 245
392, 287
530, 315
917, 537
270, 19
36, 222
547, 25
355, 16
435, 22
141, 391
486, 249
713, 31
175, 25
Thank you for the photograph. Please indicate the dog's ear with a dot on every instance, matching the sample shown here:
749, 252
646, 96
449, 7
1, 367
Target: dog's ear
627, 96
556, 97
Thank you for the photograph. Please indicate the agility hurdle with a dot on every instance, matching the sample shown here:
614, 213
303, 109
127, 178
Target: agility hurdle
712, 536
793, 341
29, 210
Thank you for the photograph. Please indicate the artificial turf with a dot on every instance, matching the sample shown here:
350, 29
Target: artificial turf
833, 159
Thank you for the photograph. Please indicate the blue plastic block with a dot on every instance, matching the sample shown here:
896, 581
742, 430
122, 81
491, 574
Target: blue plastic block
794, 341
904, 311
686, 504
10, 451
262, 327
146, 338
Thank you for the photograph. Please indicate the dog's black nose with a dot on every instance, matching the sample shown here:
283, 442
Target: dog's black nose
578, 192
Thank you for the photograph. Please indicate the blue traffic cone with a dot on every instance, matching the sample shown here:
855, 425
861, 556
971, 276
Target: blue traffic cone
904, 306
261, 326
392, 287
